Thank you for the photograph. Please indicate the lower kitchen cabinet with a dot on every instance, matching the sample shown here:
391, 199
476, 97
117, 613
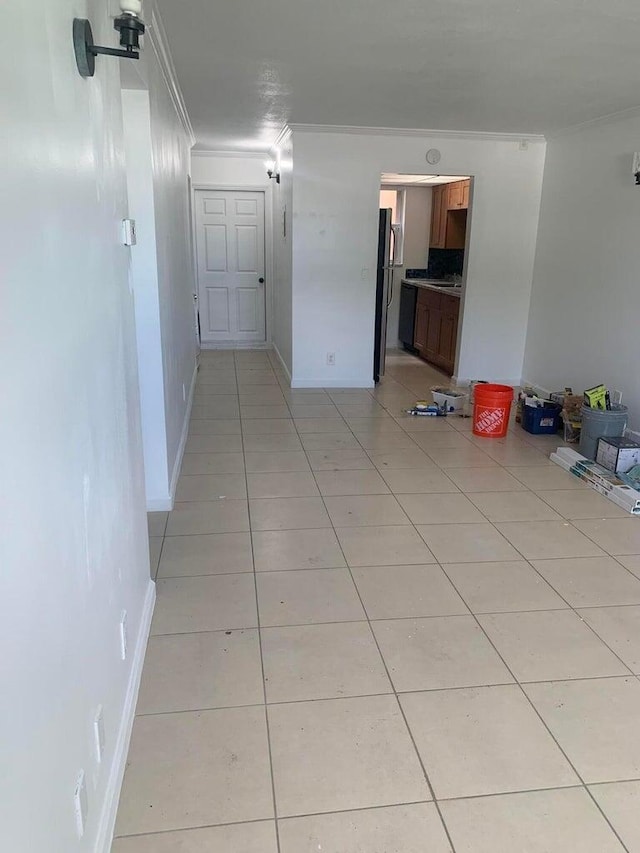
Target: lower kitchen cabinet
420, 330
436, 328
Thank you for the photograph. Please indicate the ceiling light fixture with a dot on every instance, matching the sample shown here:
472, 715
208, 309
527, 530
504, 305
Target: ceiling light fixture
272, 170
130, 26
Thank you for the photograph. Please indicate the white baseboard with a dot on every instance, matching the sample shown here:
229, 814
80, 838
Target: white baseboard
107, 821
463, 381
539, 389
160, 504
235, 345
345, 382
282, 364
177, 465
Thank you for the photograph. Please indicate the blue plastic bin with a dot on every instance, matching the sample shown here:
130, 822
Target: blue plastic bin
541, 420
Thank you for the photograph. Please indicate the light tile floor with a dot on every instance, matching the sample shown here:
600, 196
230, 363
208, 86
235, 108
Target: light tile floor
381, 634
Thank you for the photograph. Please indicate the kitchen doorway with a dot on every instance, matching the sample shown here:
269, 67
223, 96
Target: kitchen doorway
421, 267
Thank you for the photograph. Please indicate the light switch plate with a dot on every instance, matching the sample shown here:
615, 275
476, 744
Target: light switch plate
129, 232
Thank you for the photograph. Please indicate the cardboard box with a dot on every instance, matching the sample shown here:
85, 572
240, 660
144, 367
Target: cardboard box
618, 454
603, 481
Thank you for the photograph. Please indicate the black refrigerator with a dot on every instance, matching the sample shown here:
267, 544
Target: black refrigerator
384, 289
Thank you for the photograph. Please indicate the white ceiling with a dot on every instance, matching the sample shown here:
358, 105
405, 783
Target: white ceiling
396, 179
247, 67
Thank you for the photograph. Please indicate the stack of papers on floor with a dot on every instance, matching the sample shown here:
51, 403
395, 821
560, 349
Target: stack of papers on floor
599, 478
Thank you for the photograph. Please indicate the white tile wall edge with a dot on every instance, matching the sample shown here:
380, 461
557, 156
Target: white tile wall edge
540, 389
183, 441
106, 824
282, 364
219, 345
463, 381
343, 382
235, 154
160, 504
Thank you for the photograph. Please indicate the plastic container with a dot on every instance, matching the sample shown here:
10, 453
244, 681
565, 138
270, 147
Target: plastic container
597, 423
541, 420
454, 400
491, 410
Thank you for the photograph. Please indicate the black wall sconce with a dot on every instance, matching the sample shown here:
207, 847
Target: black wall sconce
272, 170
130, 26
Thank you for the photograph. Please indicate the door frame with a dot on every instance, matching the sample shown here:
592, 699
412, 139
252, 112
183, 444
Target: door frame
267, 191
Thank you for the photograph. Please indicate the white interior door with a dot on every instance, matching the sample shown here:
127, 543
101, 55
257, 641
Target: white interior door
230, 257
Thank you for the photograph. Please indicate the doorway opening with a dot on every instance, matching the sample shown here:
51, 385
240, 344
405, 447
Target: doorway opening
423, 237
231, 267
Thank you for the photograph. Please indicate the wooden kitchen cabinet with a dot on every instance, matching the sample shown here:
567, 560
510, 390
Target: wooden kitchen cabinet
448, 215
454, 195
420, 329
466, 185
438, 217
436, 328
458, 195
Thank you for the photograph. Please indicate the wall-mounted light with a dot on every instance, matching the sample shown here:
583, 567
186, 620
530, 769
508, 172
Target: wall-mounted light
272, 170
636, 167
130, 26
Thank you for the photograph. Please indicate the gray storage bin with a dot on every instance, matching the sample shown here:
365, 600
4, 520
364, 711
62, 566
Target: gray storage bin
600, 422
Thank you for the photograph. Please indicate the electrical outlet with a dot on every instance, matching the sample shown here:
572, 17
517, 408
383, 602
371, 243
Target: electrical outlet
98, 734
123, 635
80, 804
364, 273
331, 359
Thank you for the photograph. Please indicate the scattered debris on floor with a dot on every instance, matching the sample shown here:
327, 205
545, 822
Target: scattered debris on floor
424, 409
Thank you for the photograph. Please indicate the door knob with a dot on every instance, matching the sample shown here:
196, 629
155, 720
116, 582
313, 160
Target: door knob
260, 281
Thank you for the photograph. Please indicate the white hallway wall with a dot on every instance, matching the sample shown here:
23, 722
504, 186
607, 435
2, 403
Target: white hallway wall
585, 303
144, 274
74, 550
335, 202
158, 143
176, 275
282, 254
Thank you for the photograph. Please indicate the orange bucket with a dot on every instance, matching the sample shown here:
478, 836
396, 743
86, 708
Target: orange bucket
491, 410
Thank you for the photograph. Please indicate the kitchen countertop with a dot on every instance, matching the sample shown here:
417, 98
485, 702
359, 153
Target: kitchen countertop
433, 284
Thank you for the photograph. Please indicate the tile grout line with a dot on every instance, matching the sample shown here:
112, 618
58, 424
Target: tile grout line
523, 692
380, 472
500, 656
262, 671
543, 721
528, 561
390, 680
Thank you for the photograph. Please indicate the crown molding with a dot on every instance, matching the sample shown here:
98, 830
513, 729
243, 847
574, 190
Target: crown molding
282, 138
238, 154
158, 38
620, 115
424, 133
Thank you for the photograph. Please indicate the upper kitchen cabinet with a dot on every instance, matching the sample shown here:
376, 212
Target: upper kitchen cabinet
438, 217
449, 215
454, 195
466, 185
458, 195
